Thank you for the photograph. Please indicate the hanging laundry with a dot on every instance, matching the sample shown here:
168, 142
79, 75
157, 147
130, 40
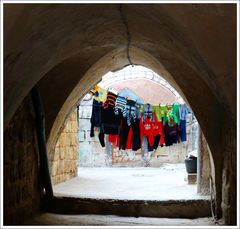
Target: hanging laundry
113, 139
147, 129
128, 121
131, 112
147, 112
96, 118
110, 122
159, 133
175, 113
125, 135
136, 135
101, 95
120, 105
168, 118
130, 134
110, 101
183, 111
183, 133
127, 93
95, 89
160, 112
171, 134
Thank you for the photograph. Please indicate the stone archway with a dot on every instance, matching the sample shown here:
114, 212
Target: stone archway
143, 58
66, 48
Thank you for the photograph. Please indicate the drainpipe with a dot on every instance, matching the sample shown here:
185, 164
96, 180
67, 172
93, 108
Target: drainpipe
40, 129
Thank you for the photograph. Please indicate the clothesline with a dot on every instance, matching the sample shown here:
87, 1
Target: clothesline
100, 94
128, 125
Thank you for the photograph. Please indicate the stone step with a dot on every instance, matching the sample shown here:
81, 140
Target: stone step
137, 208
63, 220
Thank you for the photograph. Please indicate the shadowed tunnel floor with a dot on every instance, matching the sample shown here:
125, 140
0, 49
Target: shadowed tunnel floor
112, 220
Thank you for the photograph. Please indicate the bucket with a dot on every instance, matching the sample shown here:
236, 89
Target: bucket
191, 165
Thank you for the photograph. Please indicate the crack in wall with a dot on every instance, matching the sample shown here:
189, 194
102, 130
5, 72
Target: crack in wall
124, 21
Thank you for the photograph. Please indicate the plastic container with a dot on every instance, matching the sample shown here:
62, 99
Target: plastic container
191, 164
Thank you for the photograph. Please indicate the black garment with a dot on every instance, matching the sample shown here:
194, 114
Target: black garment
125, 128
136, 140
101, 139
171, 134
156, 141
124, 133
96, 118
110, 122
150, 148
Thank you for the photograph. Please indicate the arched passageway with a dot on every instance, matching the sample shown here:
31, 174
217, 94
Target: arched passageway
65, 49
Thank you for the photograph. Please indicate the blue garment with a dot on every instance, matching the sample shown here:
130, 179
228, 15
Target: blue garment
127, 93
183, 111
183, 134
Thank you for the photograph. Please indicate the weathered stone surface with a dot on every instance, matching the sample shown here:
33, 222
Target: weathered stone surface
136, 208
204, 167
21, 167
65, 160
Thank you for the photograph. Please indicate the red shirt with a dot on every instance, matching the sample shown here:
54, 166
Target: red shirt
151, 128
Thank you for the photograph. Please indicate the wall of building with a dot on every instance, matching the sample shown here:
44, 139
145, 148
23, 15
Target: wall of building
22, 185
65, 160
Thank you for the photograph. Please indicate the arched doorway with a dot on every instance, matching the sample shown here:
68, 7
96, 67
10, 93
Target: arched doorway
196, 66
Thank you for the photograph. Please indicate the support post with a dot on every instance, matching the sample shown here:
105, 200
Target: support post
40, 129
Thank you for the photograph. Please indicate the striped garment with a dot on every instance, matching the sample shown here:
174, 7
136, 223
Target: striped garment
110, 101
147, 112
120, 105
131, 111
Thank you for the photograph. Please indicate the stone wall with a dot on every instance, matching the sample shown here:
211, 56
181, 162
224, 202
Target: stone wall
21, 166
229, 177
204, 165
65, 161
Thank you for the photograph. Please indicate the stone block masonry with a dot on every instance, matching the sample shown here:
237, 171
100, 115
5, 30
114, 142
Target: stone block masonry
65, 160
21, 166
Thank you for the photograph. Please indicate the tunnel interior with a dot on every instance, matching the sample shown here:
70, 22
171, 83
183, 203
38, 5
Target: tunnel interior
62, 50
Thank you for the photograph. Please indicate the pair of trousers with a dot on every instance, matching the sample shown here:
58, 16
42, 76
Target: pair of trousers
136, 140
